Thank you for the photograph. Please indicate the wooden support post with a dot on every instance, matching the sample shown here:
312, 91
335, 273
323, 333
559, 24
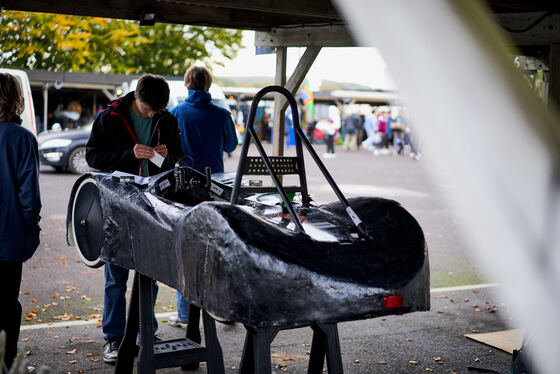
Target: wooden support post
94, 105
300, 72
297, 77
554, 76
45, 106
279, 80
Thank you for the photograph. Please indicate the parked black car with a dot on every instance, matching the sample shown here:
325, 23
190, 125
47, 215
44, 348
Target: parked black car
65, 150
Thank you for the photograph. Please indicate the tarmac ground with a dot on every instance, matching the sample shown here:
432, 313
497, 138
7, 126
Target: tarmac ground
419, 342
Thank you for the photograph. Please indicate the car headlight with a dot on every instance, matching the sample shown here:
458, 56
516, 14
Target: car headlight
55, 143
53, 156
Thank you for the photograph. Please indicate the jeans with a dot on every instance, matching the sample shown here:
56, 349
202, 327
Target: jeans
10, 312
114, 310
182, 307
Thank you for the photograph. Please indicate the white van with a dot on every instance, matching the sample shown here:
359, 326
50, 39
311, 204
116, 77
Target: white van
28, 115
178, 93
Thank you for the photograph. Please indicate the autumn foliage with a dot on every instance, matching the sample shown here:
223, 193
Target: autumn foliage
89, 44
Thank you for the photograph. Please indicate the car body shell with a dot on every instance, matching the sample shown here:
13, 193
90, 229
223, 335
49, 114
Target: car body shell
245, 263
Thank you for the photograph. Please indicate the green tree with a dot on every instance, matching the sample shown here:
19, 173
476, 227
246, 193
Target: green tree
72, 43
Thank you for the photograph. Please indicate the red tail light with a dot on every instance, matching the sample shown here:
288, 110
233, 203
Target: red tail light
393, 301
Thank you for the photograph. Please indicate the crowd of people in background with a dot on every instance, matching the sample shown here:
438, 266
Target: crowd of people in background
381, 130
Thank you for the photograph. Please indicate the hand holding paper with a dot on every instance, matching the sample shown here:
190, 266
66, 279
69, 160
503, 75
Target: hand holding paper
161, 149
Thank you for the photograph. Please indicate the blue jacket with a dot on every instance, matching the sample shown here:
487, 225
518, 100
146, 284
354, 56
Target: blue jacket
20, 201
207, 131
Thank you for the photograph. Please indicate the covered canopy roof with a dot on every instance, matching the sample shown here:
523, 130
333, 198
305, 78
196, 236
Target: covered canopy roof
243, 14
302, 23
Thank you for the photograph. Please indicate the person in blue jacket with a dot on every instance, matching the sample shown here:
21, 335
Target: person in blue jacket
207, 131
20, 205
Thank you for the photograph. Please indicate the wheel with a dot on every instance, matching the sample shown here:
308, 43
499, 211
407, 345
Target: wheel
87, 223
77, 163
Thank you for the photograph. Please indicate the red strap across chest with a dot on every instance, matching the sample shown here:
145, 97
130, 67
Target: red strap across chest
127, 126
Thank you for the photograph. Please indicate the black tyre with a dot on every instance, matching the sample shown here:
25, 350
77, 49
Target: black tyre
87, 223
77, 163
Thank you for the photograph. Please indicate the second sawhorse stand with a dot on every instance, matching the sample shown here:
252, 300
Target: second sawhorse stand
186, 353
256, 357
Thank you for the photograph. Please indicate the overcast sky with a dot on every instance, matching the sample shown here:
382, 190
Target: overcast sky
356, 65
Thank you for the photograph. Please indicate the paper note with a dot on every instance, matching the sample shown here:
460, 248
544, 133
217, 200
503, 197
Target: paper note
157, 159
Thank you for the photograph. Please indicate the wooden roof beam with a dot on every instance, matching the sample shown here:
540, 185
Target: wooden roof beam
307, 36
168, 11
308, 8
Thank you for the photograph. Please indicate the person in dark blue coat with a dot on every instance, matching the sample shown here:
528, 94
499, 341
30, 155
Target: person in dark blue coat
20, 205
207, 131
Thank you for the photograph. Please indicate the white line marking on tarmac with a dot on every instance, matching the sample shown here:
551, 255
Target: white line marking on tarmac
463, 288
75, 323
164, 315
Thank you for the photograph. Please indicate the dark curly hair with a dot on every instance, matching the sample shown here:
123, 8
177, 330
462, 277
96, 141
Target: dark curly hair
153, 90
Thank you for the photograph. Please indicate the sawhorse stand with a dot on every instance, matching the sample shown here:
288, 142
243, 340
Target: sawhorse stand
256, 357
186, 353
